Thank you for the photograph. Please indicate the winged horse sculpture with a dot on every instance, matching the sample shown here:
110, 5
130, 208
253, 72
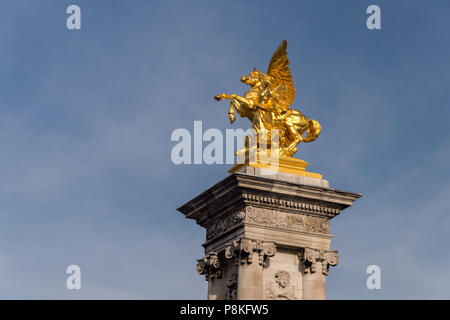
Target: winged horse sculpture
267, 104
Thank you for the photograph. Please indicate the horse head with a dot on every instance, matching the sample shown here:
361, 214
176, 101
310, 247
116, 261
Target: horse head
253, 78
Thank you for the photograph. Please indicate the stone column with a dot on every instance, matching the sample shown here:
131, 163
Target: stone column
315, 268
267, 237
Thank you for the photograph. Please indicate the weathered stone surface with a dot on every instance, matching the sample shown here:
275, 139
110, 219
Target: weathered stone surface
267, 237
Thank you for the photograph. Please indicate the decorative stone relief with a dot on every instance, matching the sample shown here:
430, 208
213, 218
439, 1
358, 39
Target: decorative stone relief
271, 218
230, 221
285, 220
281, 287
310, 257
209, 265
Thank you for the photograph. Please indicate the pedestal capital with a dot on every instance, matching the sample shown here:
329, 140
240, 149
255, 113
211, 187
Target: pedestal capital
210, 266
244, 248
311, 257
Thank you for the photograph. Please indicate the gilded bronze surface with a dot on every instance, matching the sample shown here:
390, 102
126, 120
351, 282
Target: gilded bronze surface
267, 105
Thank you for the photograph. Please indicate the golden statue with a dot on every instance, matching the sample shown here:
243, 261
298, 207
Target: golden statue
267, 105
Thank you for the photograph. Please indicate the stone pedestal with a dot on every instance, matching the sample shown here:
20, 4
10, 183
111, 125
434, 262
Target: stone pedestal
267, 236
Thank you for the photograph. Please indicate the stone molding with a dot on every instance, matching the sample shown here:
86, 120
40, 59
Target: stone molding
304, 206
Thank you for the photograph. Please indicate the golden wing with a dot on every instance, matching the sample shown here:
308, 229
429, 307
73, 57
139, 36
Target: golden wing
281, 86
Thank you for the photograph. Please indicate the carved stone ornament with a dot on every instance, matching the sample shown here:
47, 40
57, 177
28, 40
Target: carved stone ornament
209, 265
244, 248
289, 221
281, 287
310, 257
270, 218
230, 221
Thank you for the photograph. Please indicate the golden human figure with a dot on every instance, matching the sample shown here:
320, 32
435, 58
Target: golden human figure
267, 104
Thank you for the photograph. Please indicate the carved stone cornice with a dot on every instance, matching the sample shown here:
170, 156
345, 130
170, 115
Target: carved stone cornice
290, 204
209, 265
241, 190
310, 257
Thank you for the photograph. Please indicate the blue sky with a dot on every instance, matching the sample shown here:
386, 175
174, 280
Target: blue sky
86, 118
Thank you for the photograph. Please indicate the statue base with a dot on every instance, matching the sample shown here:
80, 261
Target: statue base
267, 237
282, 164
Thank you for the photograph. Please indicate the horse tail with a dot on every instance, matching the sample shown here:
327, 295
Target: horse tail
314, 129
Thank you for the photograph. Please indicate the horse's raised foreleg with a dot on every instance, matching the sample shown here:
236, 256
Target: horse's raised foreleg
224, 96
231, 115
